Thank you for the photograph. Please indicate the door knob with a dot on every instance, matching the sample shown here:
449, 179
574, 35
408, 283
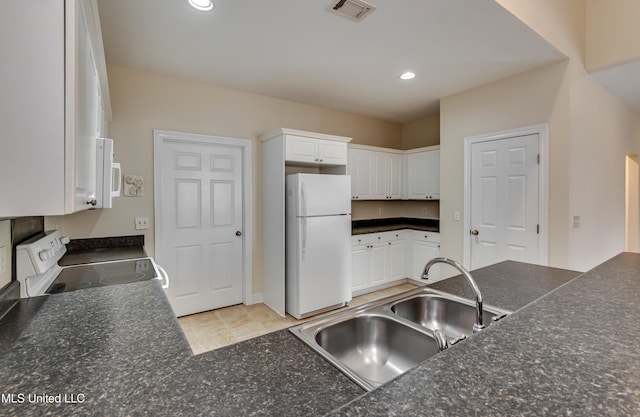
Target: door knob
238, 233
475, 232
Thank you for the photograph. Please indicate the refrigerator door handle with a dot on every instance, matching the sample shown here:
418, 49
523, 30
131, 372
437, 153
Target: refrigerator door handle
303, 192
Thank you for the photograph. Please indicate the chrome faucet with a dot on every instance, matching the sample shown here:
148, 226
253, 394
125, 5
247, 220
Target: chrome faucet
479, 324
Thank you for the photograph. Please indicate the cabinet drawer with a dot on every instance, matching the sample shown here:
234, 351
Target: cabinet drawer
366, 239
371, 238
426, 236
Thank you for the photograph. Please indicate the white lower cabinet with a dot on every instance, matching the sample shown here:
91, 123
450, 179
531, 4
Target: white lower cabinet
426, 246
377, 259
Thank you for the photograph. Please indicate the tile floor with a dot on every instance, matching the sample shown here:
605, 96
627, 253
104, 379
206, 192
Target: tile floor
216, 328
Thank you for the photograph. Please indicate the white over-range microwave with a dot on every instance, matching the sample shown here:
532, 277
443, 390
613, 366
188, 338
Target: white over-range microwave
108, 174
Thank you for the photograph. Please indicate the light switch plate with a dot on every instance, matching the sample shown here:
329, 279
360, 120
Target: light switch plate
142, 223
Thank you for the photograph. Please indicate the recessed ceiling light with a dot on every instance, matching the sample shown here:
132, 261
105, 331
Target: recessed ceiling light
407, 75
203, 5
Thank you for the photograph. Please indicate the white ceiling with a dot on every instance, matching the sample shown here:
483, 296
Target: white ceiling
296, 50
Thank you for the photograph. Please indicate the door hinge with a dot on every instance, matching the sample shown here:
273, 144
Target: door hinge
538, 159
537, 228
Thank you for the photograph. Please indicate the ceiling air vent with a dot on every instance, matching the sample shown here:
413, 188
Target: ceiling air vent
355, 10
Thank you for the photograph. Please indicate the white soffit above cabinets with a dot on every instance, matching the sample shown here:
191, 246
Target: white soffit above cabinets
623, 81
295, 50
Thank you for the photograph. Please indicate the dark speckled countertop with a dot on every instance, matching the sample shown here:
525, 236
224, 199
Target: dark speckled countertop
571, 348
572, 352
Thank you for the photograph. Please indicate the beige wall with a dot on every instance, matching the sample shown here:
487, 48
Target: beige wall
590, 132
143, 101
422, 132
613, 32
535, 97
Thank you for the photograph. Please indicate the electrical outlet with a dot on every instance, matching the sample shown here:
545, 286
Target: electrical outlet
576, 222
142, 223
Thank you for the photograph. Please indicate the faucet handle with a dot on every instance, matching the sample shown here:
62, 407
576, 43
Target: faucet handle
440, 340
457, 340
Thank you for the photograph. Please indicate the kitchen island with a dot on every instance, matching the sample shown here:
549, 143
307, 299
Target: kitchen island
570, 348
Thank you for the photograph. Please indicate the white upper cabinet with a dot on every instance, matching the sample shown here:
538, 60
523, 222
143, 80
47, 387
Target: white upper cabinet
310, 150
390, 174
375, 175
55, 103
360, 168
423, 175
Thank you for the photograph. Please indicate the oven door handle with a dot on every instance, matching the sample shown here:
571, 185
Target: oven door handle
165, 277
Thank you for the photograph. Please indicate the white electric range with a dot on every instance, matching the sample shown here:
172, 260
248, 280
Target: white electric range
38, 271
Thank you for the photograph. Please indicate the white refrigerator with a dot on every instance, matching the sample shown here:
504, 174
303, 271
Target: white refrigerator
318, 243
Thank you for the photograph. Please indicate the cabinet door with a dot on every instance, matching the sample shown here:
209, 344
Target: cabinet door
416, 176
395, 260
301, 149
423, 175
361, 166
394, 176
379, 175
360, 267
32, 95
332, 153
85, 110
378, 263
352, 171
423, 252
432, 162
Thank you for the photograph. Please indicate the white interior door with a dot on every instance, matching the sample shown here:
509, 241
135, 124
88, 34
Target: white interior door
504, 200
199, 189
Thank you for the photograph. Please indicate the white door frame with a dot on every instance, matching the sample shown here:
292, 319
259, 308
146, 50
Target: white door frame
542, 130
246, 147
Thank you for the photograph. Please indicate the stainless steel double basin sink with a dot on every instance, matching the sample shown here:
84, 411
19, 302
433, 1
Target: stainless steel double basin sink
375, 342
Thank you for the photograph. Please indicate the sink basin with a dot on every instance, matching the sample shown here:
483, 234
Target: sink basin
440, 312
375, 347
378, 341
